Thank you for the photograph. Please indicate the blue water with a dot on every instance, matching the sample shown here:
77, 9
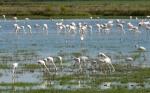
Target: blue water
51, 44
28, 48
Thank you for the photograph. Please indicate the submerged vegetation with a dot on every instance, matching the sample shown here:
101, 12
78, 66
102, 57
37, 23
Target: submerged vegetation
76, 9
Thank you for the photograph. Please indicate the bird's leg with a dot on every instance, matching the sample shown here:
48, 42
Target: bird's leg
93, 68
61, 64
80, 68
47, 69
109, 67
113, 69
129, 66
144, 56
43, 69
123, 31
74, 65
102, 68
79, 83
54, 66
30, 31
13, 76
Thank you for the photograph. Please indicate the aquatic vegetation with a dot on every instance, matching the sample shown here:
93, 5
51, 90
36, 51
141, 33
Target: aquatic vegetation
76, 54
19, 84
5, 58
25, 54
30, 66
87, 90
4, 66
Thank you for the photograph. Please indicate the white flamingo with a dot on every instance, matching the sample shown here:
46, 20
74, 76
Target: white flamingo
140, 48
29, 28
131, 17
42, 62
61, 61
72, 27
15, 65
4, 17
23, 28
78, 62
90, 27
120, 27
51, 59
61, 27
15, 18
129, 59
133, 28
84, 59
37, 26
27, 19
17, 28
45, 28
105, 59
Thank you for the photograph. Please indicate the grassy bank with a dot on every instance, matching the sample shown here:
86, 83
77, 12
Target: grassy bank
75, 9
119, 90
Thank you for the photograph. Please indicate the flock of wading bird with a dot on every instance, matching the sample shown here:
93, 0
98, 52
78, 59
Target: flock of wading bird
102, 62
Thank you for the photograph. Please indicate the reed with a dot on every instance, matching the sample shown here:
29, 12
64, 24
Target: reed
79, 9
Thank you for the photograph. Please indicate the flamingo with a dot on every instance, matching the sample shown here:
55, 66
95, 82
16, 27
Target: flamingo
84, 59
91, 17
60, 58
93, 65
110, 24
148, 16
78, 61
61, 27
117, 21
4, 17
45, 27
99, 27
131, 17
141, 51
72, 28
23, 28
129, 59
106, 27
140, 48
42, 62
37, 26
105, 59
17, 28
27, 19
120, 26
83, 29
15, 65
133, 28
51, 59
90, 27
15, 18
29, 28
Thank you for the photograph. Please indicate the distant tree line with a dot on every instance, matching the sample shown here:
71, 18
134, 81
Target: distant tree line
60, 0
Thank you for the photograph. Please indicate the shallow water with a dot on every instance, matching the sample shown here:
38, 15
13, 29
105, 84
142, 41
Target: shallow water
26, 48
